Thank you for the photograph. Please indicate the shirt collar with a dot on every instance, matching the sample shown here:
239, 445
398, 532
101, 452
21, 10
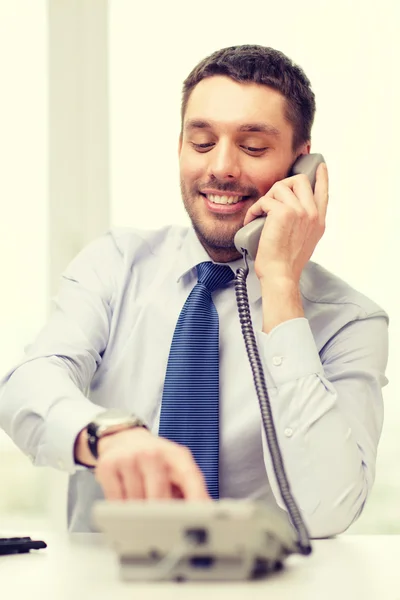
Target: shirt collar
192, 253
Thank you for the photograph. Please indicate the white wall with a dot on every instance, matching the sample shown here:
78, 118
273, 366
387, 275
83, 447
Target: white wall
23, 223
54, 194
23, 181
350, 51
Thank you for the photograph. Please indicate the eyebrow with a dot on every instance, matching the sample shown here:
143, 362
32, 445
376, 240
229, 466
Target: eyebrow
247, 127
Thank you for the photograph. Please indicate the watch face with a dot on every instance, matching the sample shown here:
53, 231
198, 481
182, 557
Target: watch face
113, 418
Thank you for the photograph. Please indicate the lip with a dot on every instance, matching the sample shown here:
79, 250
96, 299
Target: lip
223, 209
219, 193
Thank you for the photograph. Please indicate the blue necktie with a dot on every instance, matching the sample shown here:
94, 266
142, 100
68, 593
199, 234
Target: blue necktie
190, 402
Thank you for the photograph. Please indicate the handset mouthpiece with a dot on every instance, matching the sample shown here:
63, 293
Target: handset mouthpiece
248, 237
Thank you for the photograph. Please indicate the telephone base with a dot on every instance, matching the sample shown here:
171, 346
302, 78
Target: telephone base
196, 541
198, 568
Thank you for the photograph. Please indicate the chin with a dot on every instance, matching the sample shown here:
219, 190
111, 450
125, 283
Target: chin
215, 232
215, 239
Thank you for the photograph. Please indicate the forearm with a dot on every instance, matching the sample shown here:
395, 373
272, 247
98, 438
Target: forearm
43, 410
328, 433
328, 476
281, 301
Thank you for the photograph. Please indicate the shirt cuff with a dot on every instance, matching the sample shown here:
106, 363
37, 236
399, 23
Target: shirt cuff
289, 351
64, 423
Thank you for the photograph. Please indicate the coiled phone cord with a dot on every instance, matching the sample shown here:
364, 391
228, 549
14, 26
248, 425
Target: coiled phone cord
242, 300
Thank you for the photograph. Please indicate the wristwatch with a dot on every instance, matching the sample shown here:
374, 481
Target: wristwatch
108, 422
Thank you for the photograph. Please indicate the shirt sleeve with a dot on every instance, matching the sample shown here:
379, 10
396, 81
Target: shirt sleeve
43, 399
328, 415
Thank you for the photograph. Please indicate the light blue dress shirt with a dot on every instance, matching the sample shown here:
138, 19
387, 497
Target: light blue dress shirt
107, 343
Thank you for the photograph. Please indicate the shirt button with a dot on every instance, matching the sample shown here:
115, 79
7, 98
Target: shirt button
277, 361
288, 432
60, 464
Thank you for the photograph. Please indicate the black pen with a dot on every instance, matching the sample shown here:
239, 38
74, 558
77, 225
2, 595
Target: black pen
20, 545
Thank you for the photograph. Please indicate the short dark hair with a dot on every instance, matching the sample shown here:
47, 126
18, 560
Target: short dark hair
266, 66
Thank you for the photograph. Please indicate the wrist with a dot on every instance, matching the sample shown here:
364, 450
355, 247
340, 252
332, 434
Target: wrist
105, 425
281, 287
281, 301
82, 454
119, 438
109, 423
280, 272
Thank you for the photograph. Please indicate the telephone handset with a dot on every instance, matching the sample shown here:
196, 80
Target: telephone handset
247, 237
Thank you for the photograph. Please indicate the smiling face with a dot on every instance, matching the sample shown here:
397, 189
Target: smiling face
235, 144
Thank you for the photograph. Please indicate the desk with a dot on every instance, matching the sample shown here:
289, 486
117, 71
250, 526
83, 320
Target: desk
82, 567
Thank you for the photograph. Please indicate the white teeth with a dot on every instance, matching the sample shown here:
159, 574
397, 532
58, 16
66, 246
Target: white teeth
223, 199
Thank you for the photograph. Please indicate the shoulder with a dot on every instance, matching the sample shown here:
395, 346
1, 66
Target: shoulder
327, 292
121, 245
133, 244
107, 260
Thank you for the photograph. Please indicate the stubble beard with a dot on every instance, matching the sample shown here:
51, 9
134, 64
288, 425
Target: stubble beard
217, 239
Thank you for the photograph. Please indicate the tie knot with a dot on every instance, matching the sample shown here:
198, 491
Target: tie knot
213, 276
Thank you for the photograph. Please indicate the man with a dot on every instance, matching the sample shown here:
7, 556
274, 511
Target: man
247, 114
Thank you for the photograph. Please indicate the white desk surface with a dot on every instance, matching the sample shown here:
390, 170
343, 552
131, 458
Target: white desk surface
81, 566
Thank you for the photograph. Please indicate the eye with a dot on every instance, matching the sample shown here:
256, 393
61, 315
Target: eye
202, 147
254, 150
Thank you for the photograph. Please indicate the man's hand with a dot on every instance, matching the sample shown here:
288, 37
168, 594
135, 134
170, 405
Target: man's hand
135, 464
295, 223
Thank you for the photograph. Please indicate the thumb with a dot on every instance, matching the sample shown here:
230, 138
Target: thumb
321, 190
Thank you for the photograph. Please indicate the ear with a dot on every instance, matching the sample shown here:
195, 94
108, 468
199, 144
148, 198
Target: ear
304, 149
301, 151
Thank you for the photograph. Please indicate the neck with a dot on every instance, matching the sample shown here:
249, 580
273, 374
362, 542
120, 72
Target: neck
222, 255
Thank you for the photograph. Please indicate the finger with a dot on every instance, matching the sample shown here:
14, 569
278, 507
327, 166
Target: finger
111, 482
302, 190
321, 192
132, 480
262, 207
176, 492
290, 197
185, 473
155, 477
301, 186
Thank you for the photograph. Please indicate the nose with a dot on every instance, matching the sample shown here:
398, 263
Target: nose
224, 162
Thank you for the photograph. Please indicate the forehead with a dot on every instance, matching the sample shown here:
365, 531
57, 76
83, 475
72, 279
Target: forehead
226, 102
